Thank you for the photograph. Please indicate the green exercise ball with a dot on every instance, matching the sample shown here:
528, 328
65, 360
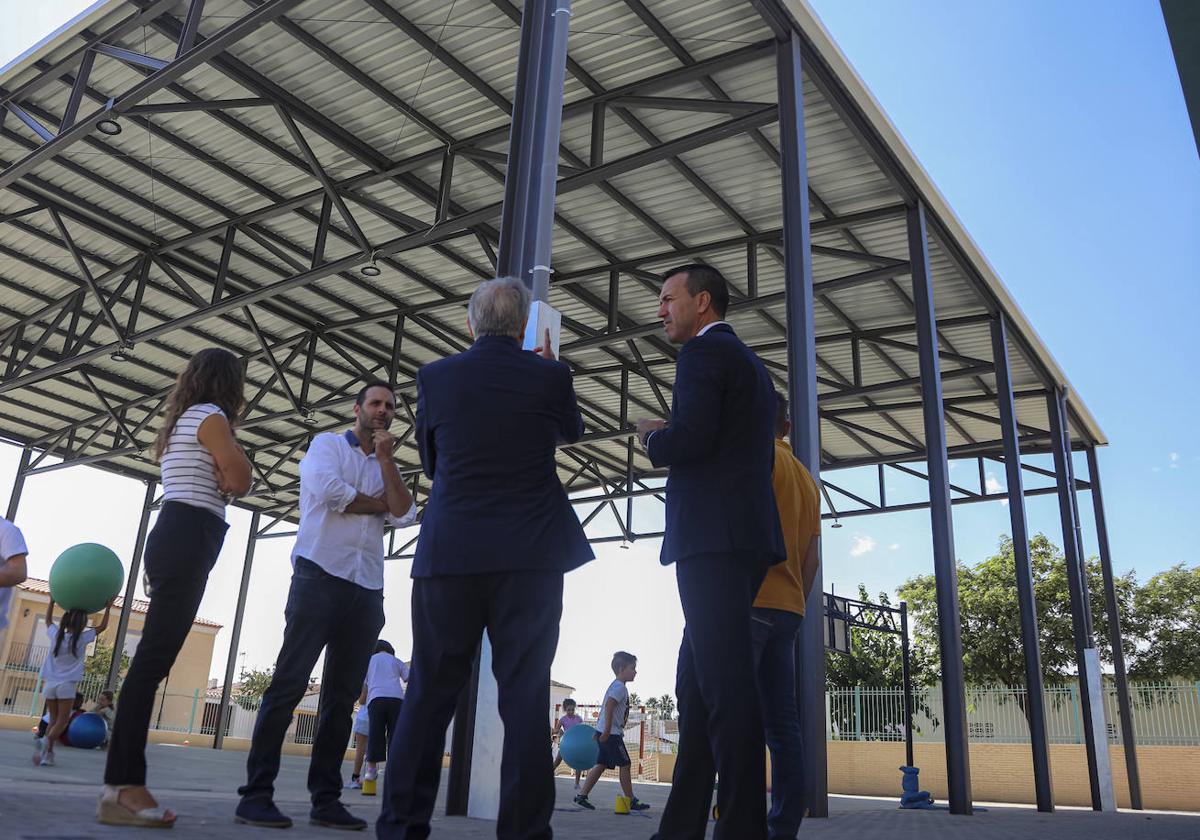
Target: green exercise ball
85, 577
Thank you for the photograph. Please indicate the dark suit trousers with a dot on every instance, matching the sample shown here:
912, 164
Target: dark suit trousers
720, 722
521, 611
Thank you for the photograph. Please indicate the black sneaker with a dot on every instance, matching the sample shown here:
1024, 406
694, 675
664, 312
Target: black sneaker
638, 805
582, 801
335, 815
261, 813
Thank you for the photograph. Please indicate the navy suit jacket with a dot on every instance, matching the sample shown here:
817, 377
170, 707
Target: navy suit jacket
720, 447
488, 422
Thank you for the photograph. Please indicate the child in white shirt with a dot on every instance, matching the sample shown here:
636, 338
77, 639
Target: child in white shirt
63, 669
611, 734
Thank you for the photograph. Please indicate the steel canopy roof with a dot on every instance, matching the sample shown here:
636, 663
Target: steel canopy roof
296, 143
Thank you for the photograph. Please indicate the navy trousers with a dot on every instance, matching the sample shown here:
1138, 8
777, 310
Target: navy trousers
775, 633
327, 613
521, 612
720, 721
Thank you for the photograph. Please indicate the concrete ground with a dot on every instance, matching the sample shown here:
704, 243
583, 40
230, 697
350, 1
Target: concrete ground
59, 804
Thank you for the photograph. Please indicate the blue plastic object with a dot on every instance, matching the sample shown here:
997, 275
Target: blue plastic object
578, 747
87, 731
912, 795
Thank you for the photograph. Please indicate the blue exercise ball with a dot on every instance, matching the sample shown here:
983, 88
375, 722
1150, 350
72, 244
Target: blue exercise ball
578, 747
87, 731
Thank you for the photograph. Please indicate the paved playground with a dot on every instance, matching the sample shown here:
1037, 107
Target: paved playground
58, 804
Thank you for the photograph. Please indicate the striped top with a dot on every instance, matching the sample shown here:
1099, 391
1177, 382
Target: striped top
188, 474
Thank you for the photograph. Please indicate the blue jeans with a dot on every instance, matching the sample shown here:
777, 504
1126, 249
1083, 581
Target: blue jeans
344, 619
774, 633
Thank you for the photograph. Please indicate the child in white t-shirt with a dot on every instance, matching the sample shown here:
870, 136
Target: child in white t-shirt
386, 676
611, 734
63, 669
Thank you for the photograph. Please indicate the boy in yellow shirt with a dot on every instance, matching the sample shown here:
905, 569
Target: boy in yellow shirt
775, 621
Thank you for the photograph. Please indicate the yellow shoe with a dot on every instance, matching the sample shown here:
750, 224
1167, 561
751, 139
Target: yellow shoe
622, 805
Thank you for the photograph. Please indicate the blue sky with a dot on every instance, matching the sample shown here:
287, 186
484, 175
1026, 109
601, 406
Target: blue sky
1059, 135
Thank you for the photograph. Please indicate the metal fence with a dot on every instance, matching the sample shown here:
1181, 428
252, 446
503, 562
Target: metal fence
1164, 714
195, 712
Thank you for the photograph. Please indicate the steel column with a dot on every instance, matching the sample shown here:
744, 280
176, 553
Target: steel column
1085, 653
906, 680
527, 218
135, 568
236, 636
1128, 739
954, 701
524, 251
1035, 711
14, 499
802, 395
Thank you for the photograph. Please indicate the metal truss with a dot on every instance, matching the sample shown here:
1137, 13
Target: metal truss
319, 288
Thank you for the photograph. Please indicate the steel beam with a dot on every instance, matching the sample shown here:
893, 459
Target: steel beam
1085, 651
1035, 712
524, 251
235, 636
135, 569
954, 703
14, 498
195, 57
802, 389
1128, 737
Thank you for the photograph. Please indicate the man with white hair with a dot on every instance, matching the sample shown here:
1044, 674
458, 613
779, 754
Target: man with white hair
497, 536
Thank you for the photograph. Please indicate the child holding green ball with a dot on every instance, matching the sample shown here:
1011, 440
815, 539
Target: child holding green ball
63, 669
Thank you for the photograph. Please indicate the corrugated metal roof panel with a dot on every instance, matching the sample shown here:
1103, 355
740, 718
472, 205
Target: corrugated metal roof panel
170, 175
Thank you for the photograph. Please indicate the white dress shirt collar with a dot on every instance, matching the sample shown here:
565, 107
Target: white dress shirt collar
708, 327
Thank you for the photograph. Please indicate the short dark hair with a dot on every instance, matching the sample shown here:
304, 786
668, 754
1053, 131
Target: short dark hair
568, 701
374, 383
621, 659
384, 647
704, 278
781, 414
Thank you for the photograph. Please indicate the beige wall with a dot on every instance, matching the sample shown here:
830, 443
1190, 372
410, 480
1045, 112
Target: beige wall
188, 676
1004, 772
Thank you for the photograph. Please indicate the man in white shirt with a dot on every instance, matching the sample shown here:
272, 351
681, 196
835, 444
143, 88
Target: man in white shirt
12, 565
350, 488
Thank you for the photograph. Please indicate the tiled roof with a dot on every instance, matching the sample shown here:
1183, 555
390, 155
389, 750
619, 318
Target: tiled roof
42, 587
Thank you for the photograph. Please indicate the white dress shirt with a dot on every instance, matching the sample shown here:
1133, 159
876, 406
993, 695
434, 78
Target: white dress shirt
346, 545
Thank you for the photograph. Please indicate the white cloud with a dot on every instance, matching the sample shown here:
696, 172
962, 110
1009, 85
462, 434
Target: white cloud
1174, 459
893, 546
862, 545
991, 484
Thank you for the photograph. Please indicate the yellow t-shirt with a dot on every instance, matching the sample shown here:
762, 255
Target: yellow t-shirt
799, 504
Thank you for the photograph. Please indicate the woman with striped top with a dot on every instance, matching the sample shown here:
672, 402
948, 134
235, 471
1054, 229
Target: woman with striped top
202, 467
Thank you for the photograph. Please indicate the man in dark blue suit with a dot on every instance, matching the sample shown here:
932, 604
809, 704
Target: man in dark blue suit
497, 536
722, 534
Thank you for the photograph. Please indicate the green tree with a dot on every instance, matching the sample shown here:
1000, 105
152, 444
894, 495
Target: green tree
1166, 614
635, 700
991, 620
253, 684
96, 666
666, 707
